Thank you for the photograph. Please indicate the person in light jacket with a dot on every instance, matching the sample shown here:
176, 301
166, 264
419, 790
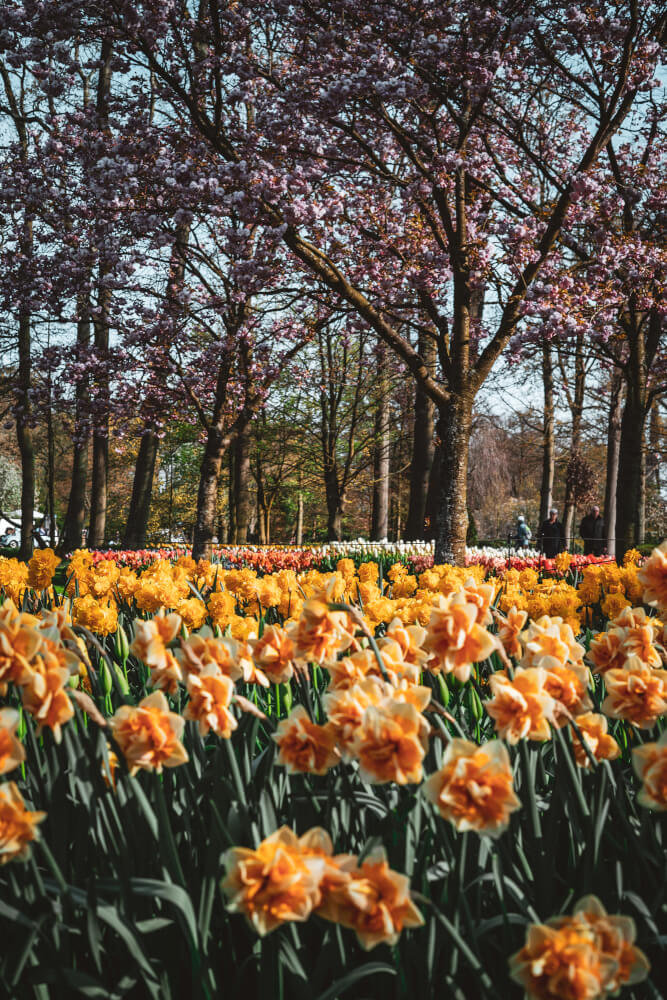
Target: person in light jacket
523, 533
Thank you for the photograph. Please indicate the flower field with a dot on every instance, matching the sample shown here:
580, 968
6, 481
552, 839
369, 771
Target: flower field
356, 779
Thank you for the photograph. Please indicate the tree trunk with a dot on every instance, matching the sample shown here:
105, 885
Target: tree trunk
24, 438
422, 449
241, 483
144, 470
72, 536
548, 439
613, 446
298, 535
629, 472
207, 494
231, 497
381, 456
261, 507
334, 520
334, 501
98, 490
51, 472
577, 408
434, 490
640, 533
454, 429
142, 490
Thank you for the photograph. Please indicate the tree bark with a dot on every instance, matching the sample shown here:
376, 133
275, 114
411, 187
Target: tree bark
334, 513
454, 430
629, 473
24, 437
613, 446
577, 409
633, 424
142, 490
99, 484
262, 511
548, 439
381, 455
51, 472
72, 536
144, 471
231, 497
298, 535
423, 448
241, 484
207, 494
641, 506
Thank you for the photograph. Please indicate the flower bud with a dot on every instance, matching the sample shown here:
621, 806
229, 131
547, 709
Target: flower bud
121, 645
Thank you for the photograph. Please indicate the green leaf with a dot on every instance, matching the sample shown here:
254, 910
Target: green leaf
345, 982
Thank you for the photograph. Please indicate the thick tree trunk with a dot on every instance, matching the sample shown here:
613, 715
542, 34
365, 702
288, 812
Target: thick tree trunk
231, 498
434, 490
629, 472
613, 447
241, 484
98, 487
142, 490
640, 532
72, 536
381, 456
24, 437
207, 494
334, 500
548, 435
454, 429
422, 449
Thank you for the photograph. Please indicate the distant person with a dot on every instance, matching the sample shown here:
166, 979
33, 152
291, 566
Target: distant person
592, 532
552, 535
523, 533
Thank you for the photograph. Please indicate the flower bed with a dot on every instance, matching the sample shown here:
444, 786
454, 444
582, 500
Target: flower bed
418, 556
231, 779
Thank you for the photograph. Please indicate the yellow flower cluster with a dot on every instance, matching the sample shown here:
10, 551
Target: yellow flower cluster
612, 587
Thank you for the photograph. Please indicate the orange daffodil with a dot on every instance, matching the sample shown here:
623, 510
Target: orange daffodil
650, 764
211, 693
454, 637
305, 746
473, 789
595, 741
34, 657
149, 735
522, 708
582, 957
18, 825
636, 693
631, 633
11, 749
289, 878
653, 578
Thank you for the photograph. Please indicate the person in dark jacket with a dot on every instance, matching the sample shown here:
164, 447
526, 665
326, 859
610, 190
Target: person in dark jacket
592, 532
552, 535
